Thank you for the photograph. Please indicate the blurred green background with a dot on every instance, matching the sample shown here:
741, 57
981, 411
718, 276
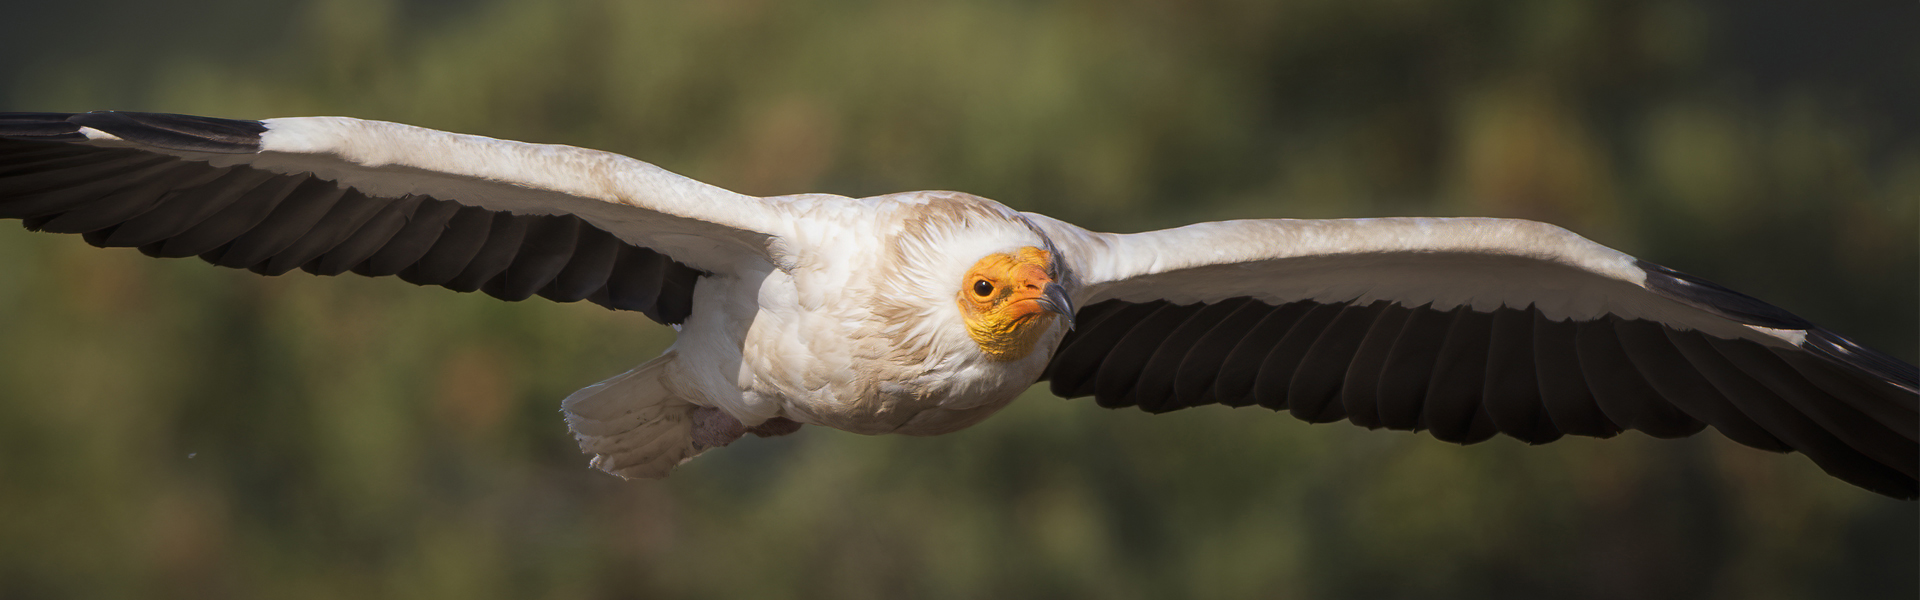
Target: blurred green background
174, 430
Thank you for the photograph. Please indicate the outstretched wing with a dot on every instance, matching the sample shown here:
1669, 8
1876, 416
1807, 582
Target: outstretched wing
331, 195
1467, 328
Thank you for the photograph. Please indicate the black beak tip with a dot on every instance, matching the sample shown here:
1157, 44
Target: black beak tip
1054, 298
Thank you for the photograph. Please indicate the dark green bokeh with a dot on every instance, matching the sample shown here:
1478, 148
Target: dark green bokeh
170, 429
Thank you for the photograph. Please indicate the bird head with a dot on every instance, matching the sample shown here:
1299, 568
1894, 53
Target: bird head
1008, 299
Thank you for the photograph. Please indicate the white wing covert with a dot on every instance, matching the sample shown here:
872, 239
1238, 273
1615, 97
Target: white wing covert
331, 195
1467, 328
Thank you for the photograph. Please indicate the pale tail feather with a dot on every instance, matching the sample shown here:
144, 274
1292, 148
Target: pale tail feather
631, 424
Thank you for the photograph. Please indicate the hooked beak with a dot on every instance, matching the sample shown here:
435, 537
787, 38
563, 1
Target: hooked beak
1054, 298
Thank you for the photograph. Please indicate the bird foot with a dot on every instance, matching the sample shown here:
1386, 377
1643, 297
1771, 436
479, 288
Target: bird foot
774, 427
713, 428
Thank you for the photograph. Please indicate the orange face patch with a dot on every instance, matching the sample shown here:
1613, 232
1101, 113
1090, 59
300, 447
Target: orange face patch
1001, 300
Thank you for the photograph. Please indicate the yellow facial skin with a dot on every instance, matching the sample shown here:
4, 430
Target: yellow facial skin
1002, 301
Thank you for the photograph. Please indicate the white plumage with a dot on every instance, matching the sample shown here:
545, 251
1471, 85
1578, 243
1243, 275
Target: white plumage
925, 312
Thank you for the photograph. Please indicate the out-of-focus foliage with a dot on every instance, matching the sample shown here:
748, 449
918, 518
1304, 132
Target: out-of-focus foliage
170, 429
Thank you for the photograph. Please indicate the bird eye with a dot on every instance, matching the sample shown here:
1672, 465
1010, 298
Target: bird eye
982, 288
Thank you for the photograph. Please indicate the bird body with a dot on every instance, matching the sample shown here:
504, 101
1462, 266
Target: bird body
851, 322
880, 275
924, 312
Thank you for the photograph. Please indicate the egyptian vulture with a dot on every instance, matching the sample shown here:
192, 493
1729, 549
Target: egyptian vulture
925, 312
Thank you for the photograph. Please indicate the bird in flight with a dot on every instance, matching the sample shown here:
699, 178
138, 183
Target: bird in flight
922, 313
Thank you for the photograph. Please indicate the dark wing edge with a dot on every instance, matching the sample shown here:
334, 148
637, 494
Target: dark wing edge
1465, 375
1711, 297
269, 223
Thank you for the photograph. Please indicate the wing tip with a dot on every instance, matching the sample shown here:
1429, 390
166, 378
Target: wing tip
187, 133
1846, 352
1748, 310
39, 127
